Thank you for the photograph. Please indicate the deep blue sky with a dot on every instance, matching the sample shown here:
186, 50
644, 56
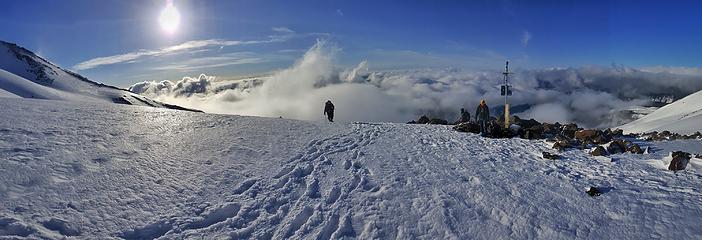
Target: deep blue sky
389, 34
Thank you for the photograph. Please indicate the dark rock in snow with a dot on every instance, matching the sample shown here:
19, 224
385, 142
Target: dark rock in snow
548, 155
423, 120
593, 191
426, 120
599, 151
438, 121
558, 147
467, 127
616, 146
635, 148
680, 161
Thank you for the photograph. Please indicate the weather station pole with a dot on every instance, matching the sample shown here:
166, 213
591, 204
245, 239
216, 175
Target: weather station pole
506, 90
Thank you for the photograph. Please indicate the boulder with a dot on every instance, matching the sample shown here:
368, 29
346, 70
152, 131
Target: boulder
680, 161
617, 133
467, 127
548, 155
635, 148
599, 151
584, 135
560, 146
423, 120
438, 121
616, 146
531, 134
593, 192
569, 130
525, 123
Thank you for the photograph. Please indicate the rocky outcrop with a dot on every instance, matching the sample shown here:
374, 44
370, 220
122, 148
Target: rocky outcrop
680, 161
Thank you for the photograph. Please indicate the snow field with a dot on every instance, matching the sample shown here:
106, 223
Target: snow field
111, 171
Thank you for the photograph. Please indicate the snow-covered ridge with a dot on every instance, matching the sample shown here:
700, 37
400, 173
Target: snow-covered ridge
24, 74
683, 116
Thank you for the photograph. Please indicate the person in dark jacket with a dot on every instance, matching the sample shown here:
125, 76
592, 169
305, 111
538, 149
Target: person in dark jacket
465, 116
329, 110
482, 116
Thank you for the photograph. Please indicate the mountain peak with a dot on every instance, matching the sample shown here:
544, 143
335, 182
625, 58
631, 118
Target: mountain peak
25, 74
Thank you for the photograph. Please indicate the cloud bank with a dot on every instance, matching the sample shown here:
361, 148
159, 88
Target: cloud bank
592, 96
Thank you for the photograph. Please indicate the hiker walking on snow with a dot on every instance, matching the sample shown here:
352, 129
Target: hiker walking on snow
329, 110
465, 116
482, 116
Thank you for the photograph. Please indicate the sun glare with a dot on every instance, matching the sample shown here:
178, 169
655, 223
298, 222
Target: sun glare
169, 19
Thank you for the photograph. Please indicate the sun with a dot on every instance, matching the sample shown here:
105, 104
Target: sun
169, 18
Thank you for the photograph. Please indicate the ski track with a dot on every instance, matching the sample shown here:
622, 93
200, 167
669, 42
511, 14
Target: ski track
359, 180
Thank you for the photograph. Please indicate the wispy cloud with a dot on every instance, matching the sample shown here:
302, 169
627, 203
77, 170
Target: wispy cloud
339, 12
526, 36
186, 47
283, 30
229, 59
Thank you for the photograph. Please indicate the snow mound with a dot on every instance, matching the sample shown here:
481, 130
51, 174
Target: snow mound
102, 171
24, 74
683, 116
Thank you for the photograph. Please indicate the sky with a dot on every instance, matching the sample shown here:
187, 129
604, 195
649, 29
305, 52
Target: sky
121, 42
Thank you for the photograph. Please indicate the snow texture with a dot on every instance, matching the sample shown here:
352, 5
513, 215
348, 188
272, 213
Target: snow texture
683, 116
93, 170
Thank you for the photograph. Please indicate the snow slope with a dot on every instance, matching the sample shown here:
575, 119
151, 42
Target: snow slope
683, 116
6, 94
91, 170
27, 75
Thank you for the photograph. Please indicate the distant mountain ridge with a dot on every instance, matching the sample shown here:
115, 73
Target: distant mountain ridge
28, 75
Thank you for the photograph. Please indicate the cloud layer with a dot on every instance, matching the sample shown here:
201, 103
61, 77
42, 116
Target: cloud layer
591, 96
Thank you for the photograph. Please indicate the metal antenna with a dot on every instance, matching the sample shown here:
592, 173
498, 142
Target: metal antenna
506, 91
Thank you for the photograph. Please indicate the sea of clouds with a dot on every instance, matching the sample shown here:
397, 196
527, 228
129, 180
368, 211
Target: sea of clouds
592, 96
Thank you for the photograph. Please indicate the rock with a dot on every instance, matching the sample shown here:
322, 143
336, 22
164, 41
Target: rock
635, 148
698, 156
560, 146
616, 146
438, 121
583, 135
680, 161
548, 155
569, 130
531, 134
599, 151
467, 127
648, 150
618, 133
423, 120
525, 123
593, 192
